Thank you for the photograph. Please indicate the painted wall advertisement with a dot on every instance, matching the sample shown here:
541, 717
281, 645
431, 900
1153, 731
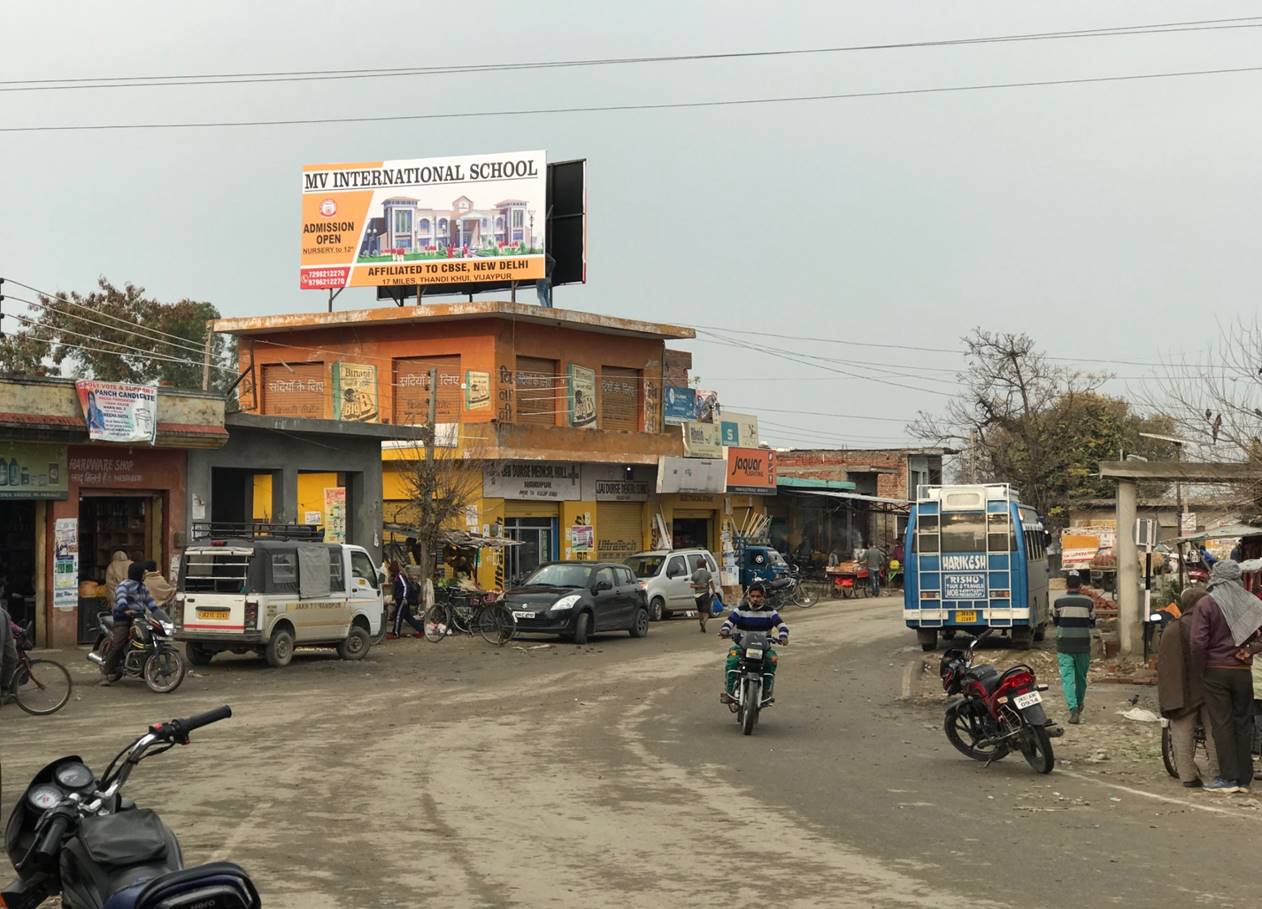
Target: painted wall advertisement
335, 514
702, 440
652, 406
739, 429
582, 395
450, 220
30, 471
751, 471
355, 393
66, 563
679, 405
117, 412
559, 482
582, 538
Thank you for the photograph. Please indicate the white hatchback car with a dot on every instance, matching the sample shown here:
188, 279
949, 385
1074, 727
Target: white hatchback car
666, 578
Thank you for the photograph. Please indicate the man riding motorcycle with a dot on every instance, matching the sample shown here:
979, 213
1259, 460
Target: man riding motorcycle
751, 615
132, 598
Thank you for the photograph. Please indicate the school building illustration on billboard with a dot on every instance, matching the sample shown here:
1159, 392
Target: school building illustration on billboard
405, 227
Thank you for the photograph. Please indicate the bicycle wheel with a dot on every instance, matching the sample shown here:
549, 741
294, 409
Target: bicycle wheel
496, 624
437, 622
43, 687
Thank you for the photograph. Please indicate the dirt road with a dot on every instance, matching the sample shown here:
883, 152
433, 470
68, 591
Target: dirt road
465, 775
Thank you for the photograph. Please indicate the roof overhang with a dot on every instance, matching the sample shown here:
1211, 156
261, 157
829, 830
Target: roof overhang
1181, 471
376, 431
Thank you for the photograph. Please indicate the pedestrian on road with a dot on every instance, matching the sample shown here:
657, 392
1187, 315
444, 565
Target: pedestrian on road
1181, 694
702, 589
874, 555
1224, 639
406, 594
1074, 617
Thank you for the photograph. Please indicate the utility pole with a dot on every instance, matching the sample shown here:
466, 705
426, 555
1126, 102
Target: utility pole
427, 485
206, 352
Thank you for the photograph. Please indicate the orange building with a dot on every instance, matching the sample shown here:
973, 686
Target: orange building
562, 409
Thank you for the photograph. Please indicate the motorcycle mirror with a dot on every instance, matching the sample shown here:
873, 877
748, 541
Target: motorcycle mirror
1156, 617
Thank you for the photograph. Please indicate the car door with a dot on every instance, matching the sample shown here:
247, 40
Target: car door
365, 590
678, 587
629, 592
606, 600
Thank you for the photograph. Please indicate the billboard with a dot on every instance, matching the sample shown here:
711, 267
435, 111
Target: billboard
119, 413
702, 440
33, 471
679, 405
424, 221
355, 392
739, 429
751, 470
582, 397
691, 475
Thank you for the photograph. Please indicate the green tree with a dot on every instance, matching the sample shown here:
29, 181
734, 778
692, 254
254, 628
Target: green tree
118, 334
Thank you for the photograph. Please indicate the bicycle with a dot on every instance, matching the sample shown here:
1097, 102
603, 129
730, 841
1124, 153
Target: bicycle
1167, 746
463, 613
39, 687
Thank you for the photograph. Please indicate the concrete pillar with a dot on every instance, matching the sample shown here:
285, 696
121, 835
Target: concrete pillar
1128, 619
285, 495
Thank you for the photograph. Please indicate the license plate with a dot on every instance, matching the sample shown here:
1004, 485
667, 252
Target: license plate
1029, 699
523, 615
966, 615
754, 653
220, 615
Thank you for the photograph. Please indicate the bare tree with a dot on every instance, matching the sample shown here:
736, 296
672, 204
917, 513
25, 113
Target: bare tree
439, 492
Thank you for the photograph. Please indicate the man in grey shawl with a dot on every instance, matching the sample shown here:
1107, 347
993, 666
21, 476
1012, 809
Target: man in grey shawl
1223, 640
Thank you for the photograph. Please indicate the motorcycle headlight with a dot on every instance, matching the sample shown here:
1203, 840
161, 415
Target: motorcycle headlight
168, 629
565, 603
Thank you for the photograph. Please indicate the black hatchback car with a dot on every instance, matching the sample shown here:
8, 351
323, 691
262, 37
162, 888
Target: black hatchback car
574, 600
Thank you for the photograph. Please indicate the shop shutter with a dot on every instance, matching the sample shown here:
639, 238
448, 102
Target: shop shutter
619, 530
411, 390
619, 398
295, 390
538, 390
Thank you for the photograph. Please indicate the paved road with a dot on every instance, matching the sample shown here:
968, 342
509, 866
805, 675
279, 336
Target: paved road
463, 775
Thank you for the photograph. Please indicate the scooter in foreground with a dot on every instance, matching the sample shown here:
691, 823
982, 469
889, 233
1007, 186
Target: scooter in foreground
75, 835
992, 713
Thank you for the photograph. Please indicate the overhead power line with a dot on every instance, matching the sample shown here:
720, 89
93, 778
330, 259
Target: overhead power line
622, 108
250, 78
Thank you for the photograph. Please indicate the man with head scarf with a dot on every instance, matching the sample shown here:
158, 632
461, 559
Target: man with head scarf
115, 574
1181, 692
1224, 637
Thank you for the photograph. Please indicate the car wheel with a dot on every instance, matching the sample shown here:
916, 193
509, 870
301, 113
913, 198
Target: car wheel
280, 649
199, 655
355, 645
657, 609
582, 627
640, 627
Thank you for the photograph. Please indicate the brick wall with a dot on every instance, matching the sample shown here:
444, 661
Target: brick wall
889, 467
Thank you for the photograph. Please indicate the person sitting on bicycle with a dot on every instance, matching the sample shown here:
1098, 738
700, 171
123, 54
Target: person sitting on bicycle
406, 595
751, 615
131, 599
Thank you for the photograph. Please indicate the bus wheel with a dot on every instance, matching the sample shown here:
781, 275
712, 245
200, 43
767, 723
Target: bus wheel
1022, 638
948, 634
928, 638
1040, 632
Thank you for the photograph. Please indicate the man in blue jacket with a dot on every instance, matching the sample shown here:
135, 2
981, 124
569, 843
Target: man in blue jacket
752, 615
131, 598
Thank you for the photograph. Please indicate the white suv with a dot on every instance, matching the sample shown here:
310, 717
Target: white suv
665, 578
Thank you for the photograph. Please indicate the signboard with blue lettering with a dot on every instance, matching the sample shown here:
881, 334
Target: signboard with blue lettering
964, 586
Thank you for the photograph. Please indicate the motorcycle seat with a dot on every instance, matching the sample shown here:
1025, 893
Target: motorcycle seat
987, 675
221, 885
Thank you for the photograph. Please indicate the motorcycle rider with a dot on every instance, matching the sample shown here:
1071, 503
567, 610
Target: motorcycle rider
752, 615
131, 599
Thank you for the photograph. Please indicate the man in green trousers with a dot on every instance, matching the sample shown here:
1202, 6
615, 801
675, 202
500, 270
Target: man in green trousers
1074, 617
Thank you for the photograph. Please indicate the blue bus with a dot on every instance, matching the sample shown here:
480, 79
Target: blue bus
976, 559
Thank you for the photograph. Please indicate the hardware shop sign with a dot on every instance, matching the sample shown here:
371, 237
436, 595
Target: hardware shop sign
558, 482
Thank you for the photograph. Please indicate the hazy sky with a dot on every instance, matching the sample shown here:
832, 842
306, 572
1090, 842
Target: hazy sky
1107, 220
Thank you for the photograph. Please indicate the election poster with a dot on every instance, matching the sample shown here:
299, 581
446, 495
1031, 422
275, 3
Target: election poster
119, 413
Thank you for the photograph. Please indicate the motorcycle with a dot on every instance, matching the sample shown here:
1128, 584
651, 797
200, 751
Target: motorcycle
74, 835
991, 712
786, 590
752, 682
151, 654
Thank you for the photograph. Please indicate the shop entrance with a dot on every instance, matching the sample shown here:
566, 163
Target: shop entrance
538, 537
689, 531
17, 560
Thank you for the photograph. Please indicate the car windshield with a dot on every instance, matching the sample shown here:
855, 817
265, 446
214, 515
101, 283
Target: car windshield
646, 566
559, 576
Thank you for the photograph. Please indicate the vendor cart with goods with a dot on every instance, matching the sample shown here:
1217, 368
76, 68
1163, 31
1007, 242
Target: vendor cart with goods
848, 579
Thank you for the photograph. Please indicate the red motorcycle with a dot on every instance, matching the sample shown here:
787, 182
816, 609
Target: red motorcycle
991, 713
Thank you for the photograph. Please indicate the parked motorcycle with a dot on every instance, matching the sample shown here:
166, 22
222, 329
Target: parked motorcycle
151, 653
74, 835
749, 693
992, 713
786, 590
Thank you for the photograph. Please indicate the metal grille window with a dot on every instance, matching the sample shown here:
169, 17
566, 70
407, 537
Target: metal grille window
411, 390
619, 398
225, 571
538, 390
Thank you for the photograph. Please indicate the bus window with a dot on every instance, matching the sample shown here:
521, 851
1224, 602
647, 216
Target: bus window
963, 532
1000, 535
926, 538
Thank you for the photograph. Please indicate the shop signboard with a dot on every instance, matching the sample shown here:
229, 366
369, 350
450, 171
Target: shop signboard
66, 563
355, 393
335, 514
707, 406
119, 413
1078, 549
739, 429
477, 390
751, 471
31, 471
582, 538
679, 405
702, 440
691, 475
957, 586
558, 482
582, 397
424, 221
615, 483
